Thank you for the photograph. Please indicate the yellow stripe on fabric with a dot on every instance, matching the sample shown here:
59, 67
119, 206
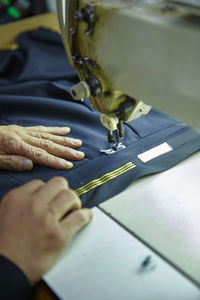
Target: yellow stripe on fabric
104, 178
107, 177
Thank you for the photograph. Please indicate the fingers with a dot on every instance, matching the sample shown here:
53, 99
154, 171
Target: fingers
15, 163
55, 149
42, 157
52, 130
75, 221
52, 189
61, 201
40, 145
64, 202
28, 189
32, 187
37, 221
64, 141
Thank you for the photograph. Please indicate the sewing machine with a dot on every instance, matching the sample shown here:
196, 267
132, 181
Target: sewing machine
128, 53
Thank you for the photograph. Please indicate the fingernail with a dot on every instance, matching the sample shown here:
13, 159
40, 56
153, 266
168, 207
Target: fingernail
76, 142
79, 154
67, 164
66, 129
25, 164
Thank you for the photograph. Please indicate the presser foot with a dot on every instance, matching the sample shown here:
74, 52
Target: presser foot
117, 144
114, 149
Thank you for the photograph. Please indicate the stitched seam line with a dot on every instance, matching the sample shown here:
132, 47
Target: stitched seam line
104, 178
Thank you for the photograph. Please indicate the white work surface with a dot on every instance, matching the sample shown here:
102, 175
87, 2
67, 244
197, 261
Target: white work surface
104, 261
164, 211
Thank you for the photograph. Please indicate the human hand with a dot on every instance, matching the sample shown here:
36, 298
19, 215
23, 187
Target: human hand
20, 147
37, 221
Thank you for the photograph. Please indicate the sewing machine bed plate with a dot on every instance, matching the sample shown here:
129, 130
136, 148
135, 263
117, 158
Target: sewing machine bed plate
164, 211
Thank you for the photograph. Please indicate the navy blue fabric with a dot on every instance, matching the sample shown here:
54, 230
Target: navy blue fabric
34, 90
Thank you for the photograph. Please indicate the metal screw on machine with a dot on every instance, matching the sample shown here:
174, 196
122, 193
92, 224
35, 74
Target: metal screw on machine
95, 85
87, 15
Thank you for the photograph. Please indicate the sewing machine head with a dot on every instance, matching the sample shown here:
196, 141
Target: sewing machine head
126, 52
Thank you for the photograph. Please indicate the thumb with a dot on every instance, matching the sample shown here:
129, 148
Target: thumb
15, 163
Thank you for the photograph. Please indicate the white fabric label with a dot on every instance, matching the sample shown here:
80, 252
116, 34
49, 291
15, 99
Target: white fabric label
155, 152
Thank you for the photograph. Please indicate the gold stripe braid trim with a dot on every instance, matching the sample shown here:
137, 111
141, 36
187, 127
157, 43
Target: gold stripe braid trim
104, 178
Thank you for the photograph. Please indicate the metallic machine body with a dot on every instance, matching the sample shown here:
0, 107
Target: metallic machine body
132, 51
